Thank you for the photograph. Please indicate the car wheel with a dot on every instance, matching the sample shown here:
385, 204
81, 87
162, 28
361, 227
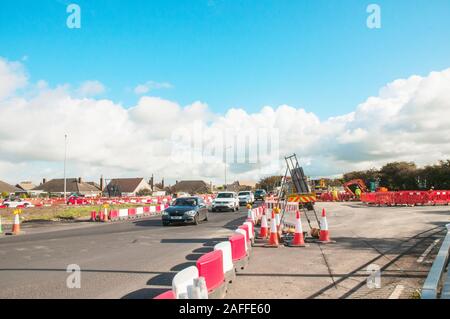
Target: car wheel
165, 223
206, 217
213, 210
196, 222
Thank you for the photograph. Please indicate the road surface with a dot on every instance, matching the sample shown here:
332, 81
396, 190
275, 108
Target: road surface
127, 259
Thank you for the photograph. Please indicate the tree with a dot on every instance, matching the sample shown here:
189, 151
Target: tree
399, 176
269, 183
367, 176
144, 192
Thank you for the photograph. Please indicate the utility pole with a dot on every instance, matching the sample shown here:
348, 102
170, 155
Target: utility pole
65, 158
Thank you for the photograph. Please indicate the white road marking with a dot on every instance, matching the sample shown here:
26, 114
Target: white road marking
397, 292
427, 251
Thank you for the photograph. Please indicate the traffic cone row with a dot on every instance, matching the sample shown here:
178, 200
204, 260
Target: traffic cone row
276, 227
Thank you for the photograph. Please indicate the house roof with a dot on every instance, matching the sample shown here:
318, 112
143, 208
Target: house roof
126, 185
96, 185
191, 187
26, 186
72, 186
5, 187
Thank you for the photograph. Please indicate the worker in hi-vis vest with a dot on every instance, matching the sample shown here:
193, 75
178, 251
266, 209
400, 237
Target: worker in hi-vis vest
334, 193
358, 192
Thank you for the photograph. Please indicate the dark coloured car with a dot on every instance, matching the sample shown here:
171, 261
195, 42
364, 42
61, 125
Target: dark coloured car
260, 194
185, 210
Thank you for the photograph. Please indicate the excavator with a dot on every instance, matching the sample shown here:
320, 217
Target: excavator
350, 186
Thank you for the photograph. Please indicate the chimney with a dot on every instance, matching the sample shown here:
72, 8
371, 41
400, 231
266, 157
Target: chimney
80, 180
44, 180
102, 182
162, 183
151, 182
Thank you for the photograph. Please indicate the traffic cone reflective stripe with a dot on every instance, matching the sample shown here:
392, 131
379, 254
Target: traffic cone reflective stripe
263, 233
16, 225
324, 235
273, 238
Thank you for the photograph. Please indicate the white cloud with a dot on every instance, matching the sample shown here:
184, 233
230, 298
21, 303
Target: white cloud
146, 87
409, 120
12, 77
91, 88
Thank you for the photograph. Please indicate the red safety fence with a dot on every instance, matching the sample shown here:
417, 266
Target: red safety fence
409, 198
340, 197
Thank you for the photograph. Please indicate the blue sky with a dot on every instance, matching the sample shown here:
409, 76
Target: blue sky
314, 54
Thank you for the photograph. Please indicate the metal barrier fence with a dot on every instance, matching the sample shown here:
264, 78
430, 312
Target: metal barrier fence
432, 286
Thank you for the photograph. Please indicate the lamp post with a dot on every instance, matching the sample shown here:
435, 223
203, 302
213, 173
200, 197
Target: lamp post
65, 158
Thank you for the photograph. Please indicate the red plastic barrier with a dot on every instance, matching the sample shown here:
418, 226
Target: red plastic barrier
410, 198
245, 227
113, 214
210, 266
237, 247
131, 211
146, 209
166, 295
3, 206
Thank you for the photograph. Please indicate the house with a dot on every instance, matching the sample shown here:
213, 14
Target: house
127, 187
7, 188
191, 187
26, 186
73, 186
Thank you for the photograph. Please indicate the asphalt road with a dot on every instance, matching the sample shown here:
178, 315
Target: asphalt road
128, 259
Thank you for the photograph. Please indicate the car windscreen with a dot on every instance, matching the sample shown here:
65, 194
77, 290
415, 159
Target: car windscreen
259, 192
225, 195
244, 193
185, 202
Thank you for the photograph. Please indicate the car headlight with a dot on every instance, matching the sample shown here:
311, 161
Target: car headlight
191, 213
165, 213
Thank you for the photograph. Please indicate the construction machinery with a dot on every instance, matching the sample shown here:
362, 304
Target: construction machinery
351, 186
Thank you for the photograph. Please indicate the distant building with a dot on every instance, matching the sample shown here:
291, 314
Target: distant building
7, 188
26, 186
73, 186
191, 187
127, 187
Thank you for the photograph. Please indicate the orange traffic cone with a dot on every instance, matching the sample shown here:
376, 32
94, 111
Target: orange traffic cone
299, 240
264, 231
16, 225
324, 235
273, 238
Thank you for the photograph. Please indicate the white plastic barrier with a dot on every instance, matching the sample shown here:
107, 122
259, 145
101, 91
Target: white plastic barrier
163, 207
152, 209
182, 280
243, 232
123, 213
225, 247
250, 229
140, 211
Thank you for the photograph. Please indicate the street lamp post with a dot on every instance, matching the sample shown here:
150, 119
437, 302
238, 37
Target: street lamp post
65, 158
